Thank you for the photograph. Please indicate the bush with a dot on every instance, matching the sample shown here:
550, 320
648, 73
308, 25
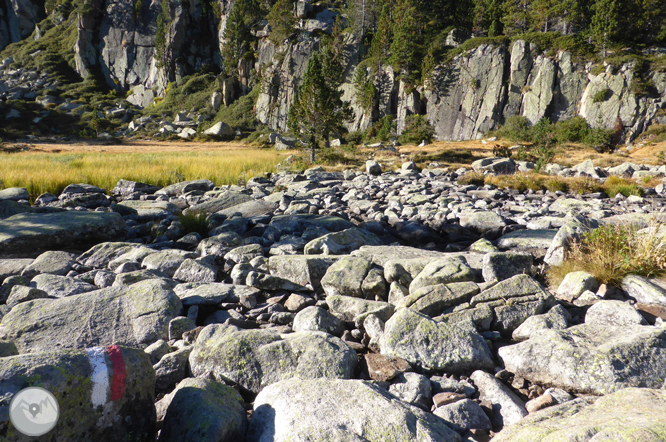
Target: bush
382, 130
354, 138
601, 96
194, 222
515, 128
614, 185
417, 129
612, 252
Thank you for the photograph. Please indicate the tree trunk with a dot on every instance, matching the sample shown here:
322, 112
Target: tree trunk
312, 154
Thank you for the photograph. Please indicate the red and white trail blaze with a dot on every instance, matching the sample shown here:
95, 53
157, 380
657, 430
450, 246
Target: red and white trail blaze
100, 374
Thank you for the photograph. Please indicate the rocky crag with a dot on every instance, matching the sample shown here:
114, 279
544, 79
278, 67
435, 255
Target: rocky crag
140, 48
361, 306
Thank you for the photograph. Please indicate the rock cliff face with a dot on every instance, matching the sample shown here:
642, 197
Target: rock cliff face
119, 38
463, 98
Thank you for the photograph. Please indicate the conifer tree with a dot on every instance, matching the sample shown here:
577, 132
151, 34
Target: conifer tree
604, 23
318, 108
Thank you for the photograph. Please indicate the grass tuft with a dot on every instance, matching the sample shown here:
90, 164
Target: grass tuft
612, 252
194, 222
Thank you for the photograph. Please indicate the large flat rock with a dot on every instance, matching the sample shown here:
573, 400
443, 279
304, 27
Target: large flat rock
591, 358
342, 411
256, 358
29, 234
133, 316
629, 415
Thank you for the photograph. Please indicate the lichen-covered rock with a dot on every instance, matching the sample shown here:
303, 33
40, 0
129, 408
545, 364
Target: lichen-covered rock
133, 316
574, 284
512, 301
613, 313
507, 407
442, 271
300, 269
300, 411
433, 300
557, 318
434, 346
501, 266
317, 319
53, 262
485, 223
464, 415
352, 309
60, 286
345, 277
591, 358
204, 410
30, 233
256, 358
630, 414
340, 243
196, 270
102, 393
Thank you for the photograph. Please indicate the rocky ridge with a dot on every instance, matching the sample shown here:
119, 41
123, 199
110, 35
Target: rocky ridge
382, 306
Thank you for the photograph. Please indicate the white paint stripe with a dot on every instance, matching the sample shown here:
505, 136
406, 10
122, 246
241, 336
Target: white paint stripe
99, 376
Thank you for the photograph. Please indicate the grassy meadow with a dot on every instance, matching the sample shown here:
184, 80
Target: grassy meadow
51, 172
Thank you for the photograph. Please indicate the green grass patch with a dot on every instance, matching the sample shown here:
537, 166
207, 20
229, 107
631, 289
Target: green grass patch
194, 223
612, 252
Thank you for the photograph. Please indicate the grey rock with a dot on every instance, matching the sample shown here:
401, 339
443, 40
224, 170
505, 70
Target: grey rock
185, 187
133, 316
300, 269
568, 233
340, 243
264, 281
501, 266
373, 167
434, 346
507, 408
213, 293
21, 294
485, 223
14, 194
345, 277
157, 350
199, 270
179, 325
219, 129
125, 188
463, 416
442, 271
13, 267
350, 309
52, 262
613, 313
60, 286
557, 318
620, 416
495, 165
591, 358
203, 410
300, 410
226, 200
433, 300
67, 375
31, 233
574, 284
166, 261
317, 319
412, 388
171, 369
257, 358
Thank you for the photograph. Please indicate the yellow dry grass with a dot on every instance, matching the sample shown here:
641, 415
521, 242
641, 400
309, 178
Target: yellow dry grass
50, 168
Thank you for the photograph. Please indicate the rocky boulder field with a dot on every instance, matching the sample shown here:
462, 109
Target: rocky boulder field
333, 306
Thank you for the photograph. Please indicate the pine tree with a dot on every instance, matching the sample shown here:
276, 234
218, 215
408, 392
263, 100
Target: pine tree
237, 36
407, 47
516, 16
282, 21
604, 23
318, 108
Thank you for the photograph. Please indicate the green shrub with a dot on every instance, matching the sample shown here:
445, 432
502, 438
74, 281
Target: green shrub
417, 129
382, 129
601, 96
515, 128
354, 138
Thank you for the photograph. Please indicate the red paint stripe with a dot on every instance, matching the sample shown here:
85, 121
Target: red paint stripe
119, 373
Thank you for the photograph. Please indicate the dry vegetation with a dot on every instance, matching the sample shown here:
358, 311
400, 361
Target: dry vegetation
612, 252
49, 168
